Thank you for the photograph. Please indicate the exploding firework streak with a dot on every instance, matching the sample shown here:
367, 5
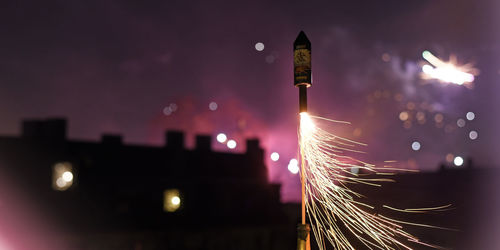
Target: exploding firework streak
330, 203
448, 72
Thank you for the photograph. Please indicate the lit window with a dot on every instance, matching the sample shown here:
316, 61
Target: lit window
171, 200
62, 176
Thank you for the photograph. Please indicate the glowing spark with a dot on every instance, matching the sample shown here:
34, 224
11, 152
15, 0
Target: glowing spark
448, 72
330, 203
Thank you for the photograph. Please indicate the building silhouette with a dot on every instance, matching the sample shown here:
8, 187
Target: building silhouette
167, 197
110, 195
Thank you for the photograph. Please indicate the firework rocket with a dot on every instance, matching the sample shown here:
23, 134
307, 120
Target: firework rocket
302, 79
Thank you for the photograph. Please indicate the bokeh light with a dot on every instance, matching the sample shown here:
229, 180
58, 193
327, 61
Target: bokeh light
461, 123
438, 118
403, 116
213, 106
449, 157
173, 107
275, 156
62, 176
167, 111
176, 200
293, 166
458, 161
231, 144
415, 146
259, 46
473, 135
171, 200
67, 176
470, 116
221, 137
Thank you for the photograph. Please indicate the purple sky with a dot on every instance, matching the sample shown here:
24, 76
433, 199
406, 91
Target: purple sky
113, 66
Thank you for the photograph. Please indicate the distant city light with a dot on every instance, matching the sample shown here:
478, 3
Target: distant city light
293, 166
259, 46
461, 123
458, 161
473, 135
221, 137
213, 106
275, 156
447, 72
470, 116
415, 145
403, 116
171, 200
231, 144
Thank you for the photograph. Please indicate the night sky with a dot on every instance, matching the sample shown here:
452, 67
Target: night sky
122, 67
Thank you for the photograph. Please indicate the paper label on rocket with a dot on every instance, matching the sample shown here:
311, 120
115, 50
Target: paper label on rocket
302, 66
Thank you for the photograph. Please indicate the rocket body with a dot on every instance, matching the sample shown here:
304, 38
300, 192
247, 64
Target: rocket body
302, 76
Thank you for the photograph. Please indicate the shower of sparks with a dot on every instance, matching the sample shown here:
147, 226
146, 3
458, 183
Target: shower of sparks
448, 72
330, 203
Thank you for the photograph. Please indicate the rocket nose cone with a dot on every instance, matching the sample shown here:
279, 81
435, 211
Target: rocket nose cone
302, 38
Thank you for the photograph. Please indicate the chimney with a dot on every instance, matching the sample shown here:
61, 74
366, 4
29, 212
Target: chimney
203, 142
32, 128
51, 129
109, 139
253, 146
174, 139
55, 129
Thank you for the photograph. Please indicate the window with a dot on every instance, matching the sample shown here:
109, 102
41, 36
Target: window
171, 200
62, 176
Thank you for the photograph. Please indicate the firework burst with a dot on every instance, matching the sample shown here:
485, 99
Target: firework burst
330, 203
448, 72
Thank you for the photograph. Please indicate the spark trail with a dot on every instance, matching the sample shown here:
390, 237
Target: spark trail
330, 203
